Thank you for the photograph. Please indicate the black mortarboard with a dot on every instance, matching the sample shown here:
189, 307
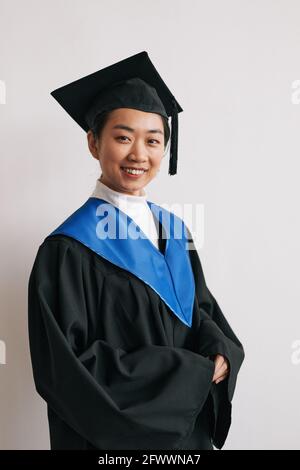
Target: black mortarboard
130, 83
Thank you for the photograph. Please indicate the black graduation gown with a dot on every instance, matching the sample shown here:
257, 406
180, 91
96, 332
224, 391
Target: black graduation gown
117, 368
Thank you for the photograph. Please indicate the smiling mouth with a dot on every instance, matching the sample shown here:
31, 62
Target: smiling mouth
134, 171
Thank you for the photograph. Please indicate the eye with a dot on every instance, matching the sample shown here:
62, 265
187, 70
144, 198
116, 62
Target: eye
121, 137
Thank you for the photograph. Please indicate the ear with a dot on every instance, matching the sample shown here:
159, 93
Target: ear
92, 144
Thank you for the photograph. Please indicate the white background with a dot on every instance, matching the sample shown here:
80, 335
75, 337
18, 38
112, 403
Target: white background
231, 65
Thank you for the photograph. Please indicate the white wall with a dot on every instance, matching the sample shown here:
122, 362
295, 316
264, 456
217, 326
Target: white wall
231, 65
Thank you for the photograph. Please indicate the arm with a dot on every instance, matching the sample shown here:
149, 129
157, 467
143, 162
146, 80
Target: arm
215, 336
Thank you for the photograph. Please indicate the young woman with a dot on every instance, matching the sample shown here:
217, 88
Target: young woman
129, 348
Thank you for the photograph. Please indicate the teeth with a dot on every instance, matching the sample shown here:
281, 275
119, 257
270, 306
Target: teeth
134, 172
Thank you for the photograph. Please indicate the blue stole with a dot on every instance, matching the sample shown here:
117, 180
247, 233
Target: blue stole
170, 274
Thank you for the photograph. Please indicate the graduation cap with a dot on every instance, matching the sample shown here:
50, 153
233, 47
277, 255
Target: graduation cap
133, 82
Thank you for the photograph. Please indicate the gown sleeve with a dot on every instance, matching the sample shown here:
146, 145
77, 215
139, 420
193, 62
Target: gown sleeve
215, 336
143, 398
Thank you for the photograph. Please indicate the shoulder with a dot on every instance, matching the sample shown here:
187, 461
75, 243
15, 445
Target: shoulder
57, 246
63, 252
51, 254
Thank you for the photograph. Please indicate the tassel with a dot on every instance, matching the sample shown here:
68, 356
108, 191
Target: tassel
174, 139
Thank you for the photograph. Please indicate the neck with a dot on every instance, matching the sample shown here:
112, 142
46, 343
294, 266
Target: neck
137, 193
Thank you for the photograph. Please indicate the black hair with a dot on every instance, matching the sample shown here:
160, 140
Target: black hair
102, 118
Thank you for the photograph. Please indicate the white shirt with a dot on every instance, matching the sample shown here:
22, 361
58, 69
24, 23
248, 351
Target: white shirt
135, 207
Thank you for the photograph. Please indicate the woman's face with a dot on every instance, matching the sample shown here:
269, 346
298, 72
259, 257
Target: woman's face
130, 139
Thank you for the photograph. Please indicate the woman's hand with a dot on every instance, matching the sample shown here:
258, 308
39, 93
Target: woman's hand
221, 368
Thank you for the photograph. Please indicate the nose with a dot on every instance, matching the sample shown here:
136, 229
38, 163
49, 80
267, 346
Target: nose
138, 153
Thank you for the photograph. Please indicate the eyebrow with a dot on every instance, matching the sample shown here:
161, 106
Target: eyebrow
129, 129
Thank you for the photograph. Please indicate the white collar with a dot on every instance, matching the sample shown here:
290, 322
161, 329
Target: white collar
135, 206
102, 191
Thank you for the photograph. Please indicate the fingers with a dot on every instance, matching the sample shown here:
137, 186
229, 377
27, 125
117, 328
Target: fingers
220, 372
221, 368
219, 361
221, 378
